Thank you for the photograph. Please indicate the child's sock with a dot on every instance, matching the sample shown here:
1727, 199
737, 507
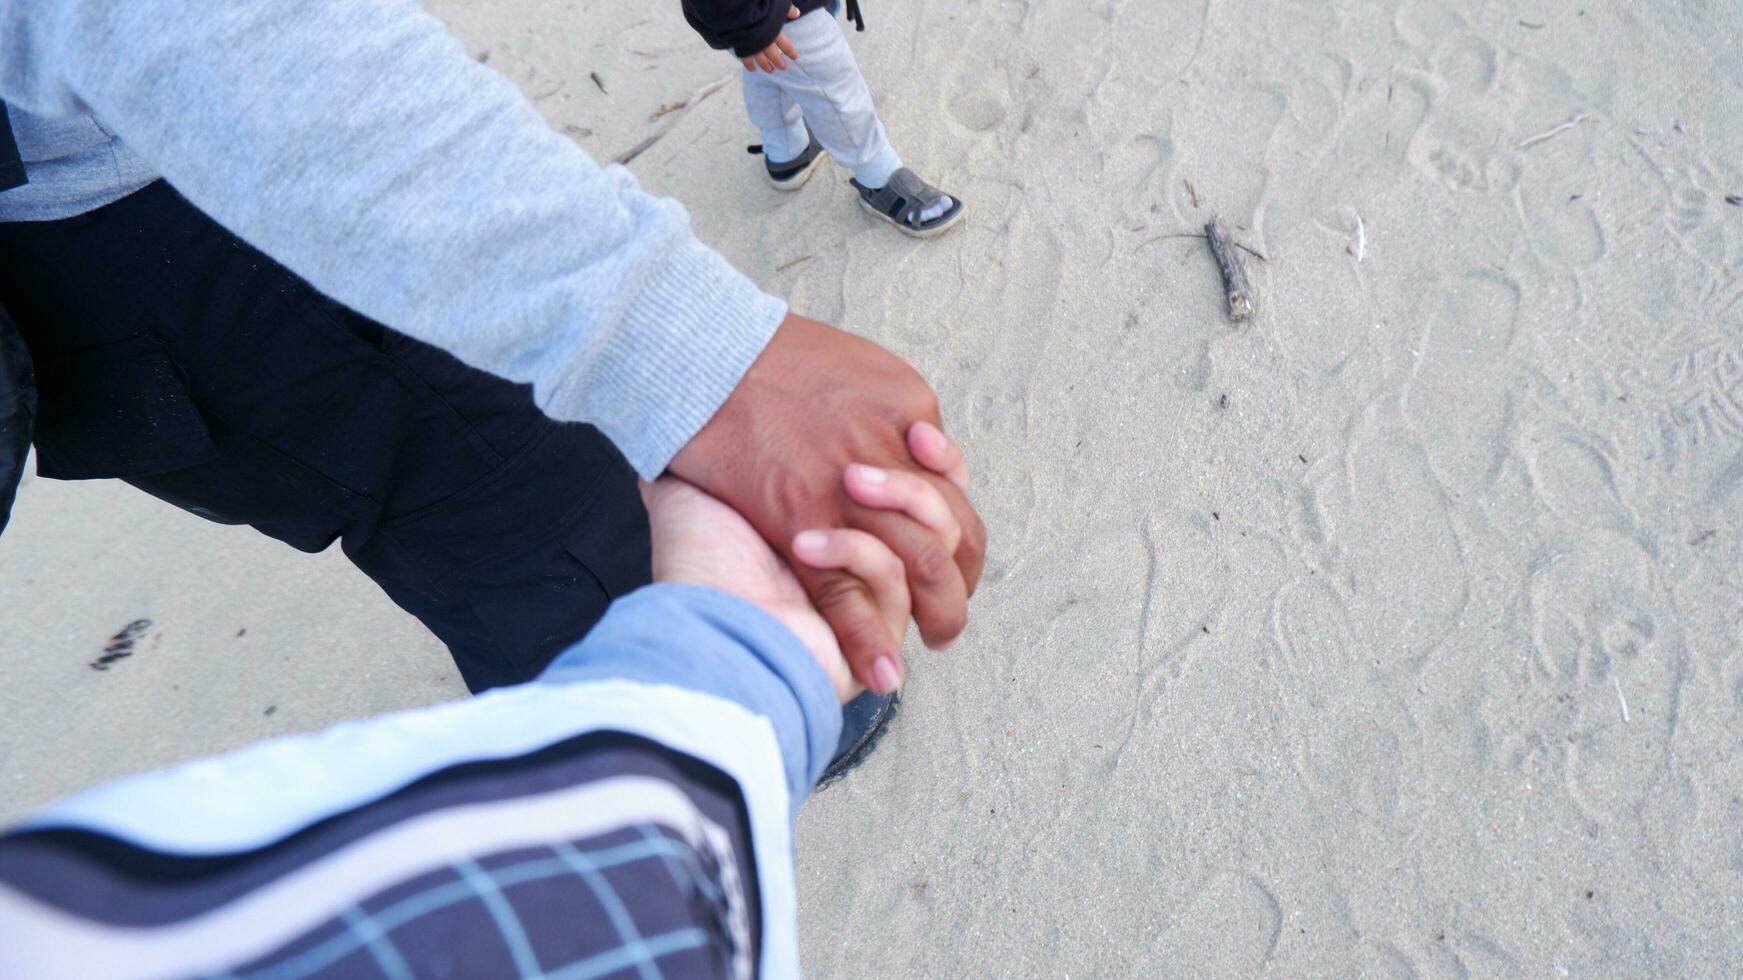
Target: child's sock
876, 173
782, 145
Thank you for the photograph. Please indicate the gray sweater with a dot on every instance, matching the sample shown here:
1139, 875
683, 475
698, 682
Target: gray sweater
356, 142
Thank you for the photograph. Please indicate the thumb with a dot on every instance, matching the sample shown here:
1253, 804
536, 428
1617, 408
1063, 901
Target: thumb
792, 13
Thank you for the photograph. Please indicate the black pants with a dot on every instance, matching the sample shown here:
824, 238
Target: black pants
172, 355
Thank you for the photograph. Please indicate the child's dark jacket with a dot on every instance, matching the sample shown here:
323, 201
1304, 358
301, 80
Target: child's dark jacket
745, 26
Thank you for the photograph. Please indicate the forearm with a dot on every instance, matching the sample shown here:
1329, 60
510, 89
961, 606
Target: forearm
252, 856
357, 143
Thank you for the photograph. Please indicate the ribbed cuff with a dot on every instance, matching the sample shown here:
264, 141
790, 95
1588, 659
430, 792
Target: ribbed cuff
679, 350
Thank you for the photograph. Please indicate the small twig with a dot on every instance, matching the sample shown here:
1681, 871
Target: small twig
1550, 134
668, 107
598, 81
1240, 295
1360, 247
1257, 255
672, 119
1150, 241
789, 265
1163, 238
1529, 24
1192, 192
1619, 698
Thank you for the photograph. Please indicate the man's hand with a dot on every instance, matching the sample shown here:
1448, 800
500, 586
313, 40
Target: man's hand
816, 400
770, 58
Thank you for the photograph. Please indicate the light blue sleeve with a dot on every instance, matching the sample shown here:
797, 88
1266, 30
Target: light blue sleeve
711, 642
359, 145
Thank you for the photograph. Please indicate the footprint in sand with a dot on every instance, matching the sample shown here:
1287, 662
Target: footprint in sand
1452, 165
1467, 64
1000, 413
1383, 119
1404, 563
1329, 312
1606, 637
1387, 961
1316, 102
1423, 22
1578, 485
1690, 210
1442, 151
1460, 388
1229, 162
981, 107
1564, 229
1702, 223
1356, 759
1311, 625
1702, 380
1156, 42
1229, 928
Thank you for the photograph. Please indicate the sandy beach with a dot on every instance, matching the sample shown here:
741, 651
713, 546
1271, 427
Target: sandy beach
1394, 631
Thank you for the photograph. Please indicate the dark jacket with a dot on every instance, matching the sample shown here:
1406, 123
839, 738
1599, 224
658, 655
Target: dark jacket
17, 409
749, 26
17, 386
11, 168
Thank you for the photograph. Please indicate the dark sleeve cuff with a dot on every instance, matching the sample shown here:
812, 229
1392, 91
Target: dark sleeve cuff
11, 168
764, 34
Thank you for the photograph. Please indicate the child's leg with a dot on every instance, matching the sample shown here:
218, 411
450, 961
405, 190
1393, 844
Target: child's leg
826, 85
774, 113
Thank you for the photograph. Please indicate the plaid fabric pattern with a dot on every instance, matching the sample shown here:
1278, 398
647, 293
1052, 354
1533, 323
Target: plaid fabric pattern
638, 902
603, 855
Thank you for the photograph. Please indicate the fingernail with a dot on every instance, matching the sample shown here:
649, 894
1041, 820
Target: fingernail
810, 543
884, 675
872, 474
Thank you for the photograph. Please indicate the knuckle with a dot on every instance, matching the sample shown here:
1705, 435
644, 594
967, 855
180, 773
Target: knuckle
931, 562
864, 640
837, 594
891, 570
945, 624
974, 536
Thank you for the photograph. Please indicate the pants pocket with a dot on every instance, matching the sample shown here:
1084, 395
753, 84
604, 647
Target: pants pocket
534, 603
118, 410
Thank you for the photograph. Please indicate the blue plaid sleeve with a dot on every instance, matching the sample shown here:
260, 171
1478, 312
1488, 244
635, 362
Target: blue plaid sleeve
622, 816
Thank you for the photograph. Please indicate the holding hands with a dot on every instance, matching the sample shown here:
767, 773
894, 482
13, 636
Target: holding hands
699, 540
781, 452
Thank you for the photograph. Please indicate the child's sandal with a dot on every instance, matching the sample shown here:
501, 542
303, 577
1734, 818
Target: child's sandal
904, 199
790, 175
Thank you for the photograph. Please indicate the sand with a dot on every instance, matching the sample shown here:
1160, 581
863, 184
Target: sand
1394, 631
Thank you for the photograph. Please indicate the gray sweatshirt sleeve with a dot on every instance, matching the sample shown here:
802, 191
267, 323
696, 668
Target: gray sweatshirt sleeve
357, 143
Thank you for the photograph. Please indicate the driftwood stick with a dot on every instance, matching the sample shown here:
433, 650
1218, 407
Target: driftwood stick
1234, 277
673, 116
